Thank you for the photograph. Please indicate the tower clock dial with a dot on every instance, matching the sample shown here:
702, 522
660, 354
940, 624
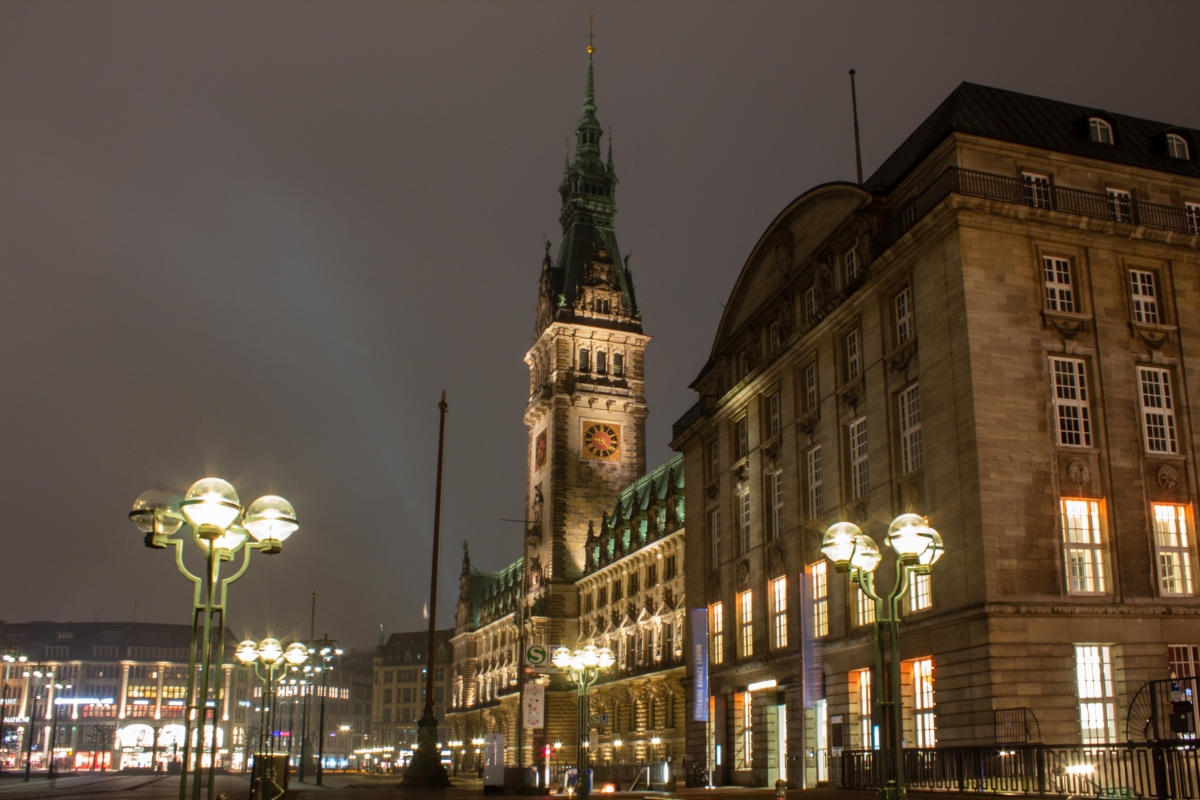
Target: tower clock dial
602, 440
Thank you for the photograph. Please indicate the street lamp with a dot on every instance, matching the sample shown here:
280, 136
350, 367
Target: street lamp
583, 668
328, 650
58, 687
212, 509
917, 547
37, 673
270, 655
11, 656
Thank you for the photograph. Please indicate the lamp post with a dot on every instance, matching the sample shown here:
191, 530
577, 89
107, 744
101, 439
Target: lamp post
270, 655
54, 722
37, 674
917, 547
221, 527
11, 656
583, 668
327, 649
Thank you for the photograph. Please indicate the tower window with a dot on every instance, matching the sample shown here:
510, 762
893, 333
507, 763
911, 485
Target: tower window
1177, 146
601, 362
1100, 131
584, 363
618, 364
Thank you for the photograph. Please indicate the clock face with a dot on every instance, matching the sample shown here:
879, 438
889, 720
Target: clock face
540, 450
602, 440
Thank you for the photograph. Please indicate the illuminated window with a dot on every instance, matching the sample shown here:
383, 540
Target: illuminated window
717, 647
714, 537
743, 518
772, 409
866, 723
1173, 550
1120, 205
853, 355
816, 495
922, 687
1158, 410
920, 593
864, 606
1083, 553
779, 612
810, 387
904, 315
774, 492
1056, 273
1183, 660
743, 731
1071, 402
1100, 131
1037, 190
1177, 146
860, 477
819, 577
1144, 296
1097, 707
912, 453
746, 624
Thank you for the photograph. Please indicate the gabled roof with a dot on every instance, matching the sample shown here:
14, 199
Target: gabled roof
1037, 122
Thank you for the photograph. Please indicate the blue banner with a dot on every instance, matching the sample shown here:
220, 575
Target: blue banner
699, 620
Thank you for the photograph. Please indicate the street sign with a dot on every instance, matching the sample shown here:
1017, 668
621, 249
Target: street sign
537, 656
535, 705
599, 719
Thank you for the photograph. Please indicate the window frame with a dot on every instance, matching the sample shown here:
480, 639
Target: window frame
773, 494
864, 608
779, 612
1174, 141
1037, 190
775, 336
1094, 681
1098, 127
745, 602
1175, 554
743, 520
924, 719
741, 437
920, 592
859, 451
812, 387
903, 313
1191, 212
717, 645
1071, 411
912, 450
810, 302
1151, 427
714, 459
1144, 296
852, 350
850, 265
1056, 298
818, 574
584, 360
815, 482
1120, 204
772, 414
714, 537
618, 365
1083, 547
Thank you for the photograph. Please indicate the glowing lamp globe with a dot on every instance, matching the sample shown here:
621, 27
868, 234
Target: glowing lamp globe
866, 555
211, 501
934, 551
270, 651
296, 654
591, 656
606, 658
156, 511
270, 519
840, 542
561, 658
247, 652
908, 535
230, 539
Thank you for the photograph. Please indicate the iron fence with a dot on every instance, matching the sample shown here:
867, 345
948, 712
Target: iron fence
1160, 771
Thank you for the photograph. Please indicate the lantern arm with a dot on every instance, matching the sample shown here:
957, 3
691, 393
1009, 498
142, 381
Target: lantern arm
246, 547
195, 579
865, 581
903, 578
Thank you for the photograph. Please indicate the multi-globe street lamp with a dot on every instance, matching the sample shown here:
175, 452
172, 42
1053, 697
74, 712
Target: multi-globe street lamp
327, 650
270, 655
583, 668
917, 547
221, 527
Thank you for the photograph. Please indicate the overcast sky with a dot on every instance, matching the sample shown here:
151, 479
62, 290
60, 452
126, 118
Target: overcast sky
257, 240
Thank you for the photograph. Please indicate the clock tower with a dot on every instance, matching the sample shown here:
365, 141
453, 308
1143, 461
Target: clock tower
587, 408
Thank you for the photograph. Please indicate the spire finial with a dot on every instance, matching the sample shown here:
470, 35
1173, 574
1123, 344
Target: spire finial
591, 22
610, 161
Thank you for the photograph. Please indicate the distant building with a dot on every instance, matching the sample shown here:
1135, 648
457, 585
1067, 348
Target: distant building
995, 330
399, 691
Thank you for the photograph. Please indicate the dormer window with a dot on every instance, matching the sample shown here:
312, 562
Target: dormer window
1177, 146
1100, 130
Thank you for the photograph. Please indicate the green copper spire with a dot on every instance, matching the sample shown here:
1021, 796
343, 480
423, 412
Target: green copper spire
589, 255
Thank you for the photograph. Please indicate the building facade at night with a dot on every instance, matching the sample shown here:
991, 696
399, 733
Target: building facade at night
595, 520
995, 330
399, 697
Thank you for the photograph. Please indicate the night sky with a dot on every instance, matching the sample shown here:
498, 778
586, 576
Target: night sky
257, 240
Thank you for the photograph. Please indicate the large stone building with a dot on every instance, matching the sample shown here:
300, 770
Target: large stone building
994, 331
586, 460
399, 696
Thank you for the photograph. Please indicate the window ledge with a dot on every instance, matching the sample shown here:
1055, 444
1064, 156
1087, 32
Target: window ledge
808, 423
902, 355
851, 394
1067, 324
1154, 336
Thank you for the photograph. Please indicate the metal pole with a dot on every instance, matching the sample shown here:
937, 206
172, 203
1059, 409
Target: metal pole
857, 152
433, 581
321, 728
218, 693
205, 666
32, 724
53, 741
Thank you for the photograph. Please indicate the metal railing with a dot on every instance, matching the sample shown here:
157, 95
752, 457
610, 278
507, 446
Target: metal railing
1016, 726
1160, 771
956, 180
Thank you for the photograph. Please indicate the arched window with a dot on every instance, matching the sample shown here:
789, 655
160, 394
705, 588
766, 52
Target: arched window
584, 365
1100, 130
1177, 146
601, 362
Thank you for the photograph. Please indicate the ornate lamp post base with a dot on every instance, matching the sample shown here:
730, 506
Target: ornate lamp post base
426, 769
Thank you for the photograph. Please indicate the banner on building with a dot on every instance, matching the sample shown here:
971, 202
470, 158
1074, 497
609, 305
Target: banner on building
810, 645
699, 620
535, 705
